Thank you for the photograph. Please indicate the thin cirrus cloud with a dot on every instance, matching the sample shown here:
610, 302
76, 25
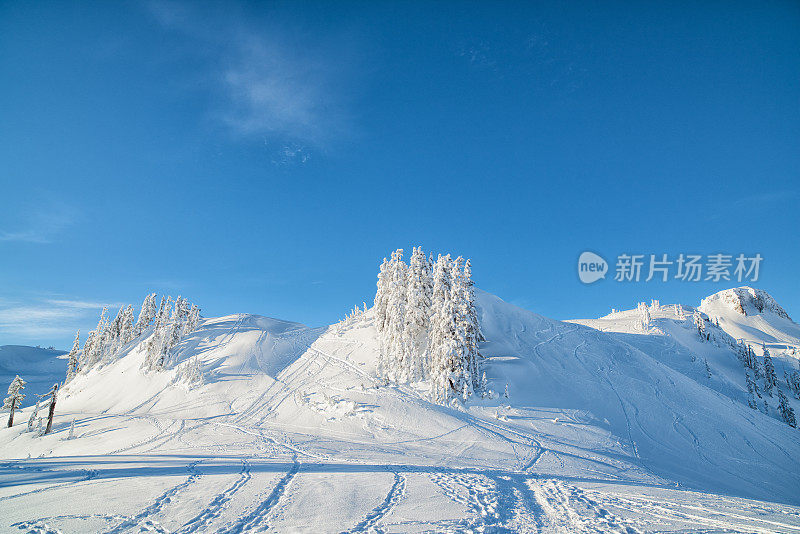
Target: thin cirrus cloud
271, 92
41, 225
46, 318
289, 95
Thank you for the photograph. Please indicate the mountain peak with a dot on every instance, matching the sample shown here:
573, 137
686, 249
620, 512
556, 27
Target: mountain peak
744, 300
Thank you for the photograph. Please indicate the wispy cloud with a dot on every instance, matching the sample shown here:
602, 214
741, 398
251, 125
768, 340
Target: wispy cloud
82, 304
274, 90
272, 86
41, 225
40, 321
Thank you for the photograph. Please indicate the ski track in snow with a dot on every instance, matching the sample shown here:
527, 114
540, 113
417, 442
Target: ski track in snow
41, 525
481, 500
258, 515
88, 474
158, 504
216, 506
696, 515
567, 509
396, 493
37, 527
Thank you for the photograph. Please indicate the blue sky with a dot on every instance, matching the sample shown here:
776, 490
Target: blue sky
263, 158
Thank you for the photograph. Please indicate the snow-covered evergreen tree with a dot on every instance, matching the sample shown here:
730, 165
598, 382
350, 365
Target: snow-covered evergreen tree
708, 369
162, 315
96, 341
755, 365
748, 358
419, 290
34, 415
380, 304
793, 382
645, 320
114, 334
193, 321
473, 328
465, 350
14, 399
396, 369
192, 373
156, 345
382, 296
146, 315
751, 390
770, 378
88, 349
442, 343
786, 411
126, 331
180, 314
116, 324
700, 323
72, 358
655, 305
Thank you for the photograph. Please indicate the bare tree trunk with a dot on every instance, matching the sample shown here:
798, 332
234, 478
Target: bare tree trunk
52, 410
11, 414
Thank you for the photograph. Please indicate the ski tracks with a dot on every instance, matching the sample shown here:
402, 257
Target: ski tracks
37, 527
517, 503
257, 516
567, 509
477, 492
158, 504
217, 504
695, 514
396, 493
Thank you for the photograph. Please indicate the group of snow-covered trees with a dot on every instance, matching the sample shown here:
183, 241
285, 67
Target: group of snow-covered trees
13, 402
170, 321
765, 372
428, 325
169, 327
761, 379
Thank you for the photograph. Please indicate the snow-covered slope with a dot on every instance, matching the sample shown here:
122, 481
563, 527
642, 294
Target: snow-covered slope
712, 361
293, 431
753, 315
40, 368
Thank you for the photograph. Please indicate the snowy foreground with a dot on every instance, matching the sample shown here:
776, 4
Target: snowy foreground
609, 425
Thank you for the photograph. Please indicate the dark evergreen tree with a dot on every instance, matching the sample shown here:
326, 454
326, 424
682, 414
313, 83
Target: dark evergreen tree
786, 411
770, 378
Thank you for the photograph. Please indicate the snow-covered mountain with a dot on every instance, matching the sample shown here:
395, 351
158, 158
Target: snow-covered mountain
754, 316
670, 335
594, 425
41, 368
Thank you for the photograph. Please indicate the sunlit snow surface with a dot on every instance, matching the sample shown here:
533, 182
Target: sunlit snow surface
292, 432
